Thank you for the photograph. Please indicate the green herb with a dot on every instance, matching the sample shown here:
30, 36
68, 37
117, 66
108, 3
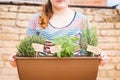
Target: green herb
88, 37
69, 45
25, 48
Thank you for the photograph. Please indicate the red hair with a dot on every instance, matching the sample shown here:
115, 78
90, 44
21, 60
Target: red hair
47, 13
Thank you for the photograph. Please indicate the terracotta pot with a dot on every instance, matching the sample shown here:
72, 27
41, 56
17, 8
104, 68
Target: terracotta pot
53, 68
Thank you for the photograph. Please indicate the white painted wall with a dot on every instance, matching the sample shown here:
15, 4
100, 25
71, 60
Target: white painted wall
111, 3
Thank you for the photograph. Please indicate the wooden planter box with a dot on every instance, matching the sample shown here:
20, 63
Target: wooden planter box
53, 68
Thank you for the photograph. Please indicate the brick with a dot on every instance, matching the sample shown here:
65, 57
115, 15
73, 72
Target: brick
23, 30
1, 64
3, 7
110, 32
29, 9
90, 17
103, 73
111, 18
117, 74
114, 59
117, 25
5, 57
7, 50
0, 41
118, 39
105, 78
0, 28
108, 18
118, 67
107, 66
111, 73
9, 71
13, 8
112, 53
96, 11
10, 15
110, 12
22, 24
98, 17
87, 11
9, 44
117, 78
98, 32
13, 37
24, 16
10, 30
107, 39
7, 22
8, 77
109, 46
104, 25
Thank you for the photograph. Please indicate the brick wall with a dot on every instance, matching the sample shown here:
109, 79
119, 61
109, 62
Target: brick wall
14, 20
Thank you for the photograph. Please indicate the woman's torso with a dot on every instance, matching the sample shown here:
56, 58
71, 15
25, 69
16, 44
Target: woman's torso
72, 28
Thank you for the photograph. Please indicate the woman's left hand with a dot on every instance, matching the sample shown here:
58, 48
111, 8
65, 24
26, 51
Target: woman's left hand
103, 58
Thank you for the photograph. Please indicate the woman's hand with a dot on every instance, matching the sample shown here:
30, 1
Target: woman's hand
103, 58
12, 59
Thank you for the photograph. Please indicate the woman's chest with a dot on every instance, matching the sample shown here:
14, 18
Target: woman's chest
51, 33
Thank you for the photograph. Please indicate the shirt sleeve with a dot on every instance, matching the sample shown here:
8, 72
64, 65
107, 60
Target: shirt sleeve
33, 25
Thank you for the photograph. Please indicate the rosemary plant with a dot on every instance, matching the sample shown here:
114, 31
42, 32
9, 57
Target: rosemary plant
25, 48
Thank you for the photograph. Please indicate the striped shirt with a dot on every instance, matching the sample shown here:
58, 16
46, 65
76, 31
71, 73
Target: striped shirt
51, 32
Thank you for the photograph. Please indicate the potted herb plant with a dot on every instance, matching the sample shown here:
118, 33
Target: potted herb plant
33, 64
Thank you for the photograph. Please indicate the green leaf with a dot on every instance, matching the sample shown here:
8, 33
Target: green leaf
58, 54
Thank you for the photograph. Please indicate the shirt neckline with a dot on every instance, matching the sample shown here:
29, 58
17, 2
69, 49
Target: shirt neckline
66, 25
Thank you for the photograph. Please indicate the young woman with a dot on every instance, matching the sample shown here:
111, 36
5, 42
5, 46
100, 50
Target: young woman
57, 19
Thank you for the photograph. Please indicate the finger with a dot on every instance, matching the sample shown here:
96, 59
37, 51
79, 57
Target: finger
12, 57
102, 63
13, 63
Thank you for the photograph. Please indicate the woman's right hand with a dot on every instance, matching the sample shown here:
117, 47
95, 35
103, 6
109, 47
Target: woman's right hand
12, 59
